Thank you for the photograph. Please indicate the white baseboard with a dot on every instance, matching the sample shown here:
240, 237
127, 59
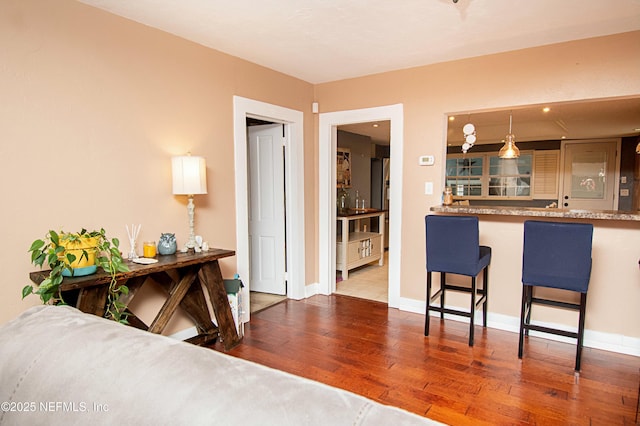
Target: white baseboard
592, 339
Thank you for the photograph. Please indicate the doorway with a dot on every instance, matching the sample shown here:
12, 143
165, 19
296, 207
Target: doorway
359, 270
328, 124
292, 121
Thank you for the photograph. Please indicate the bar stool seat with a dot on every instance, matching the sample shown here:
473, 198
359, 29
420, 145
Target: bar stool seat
556, 255
453, 247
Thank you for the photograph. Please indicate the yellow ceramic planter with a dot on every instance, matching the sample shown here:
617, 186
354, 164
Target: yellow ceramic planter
84, 264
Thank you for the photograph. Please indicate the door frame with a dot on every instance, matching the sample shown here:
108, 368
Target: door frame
327, 139
294, 184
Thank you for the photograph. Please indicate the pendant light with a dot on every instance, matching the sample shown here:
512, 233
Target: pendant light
509, 150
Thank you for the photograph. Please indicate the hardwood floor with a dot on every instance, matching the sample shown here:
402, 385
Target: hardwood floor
381, 353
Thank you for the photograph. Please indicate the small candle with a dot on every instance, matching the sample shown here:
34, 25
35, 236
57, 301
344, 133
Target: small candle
149, 249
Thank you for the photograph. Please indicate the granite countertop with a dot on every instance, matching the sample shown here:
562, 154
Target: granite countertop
539, 212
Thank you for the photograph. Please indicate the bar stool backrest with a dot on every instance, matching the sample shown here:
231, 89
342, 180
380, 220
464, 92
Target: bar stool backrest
453, 244
557, 255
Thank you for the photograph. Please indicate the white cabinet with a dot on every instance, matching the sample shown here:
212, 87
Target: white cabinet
357, 248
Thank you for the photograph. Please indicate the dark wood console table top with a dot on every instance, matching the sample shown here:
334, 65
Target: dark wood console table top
183, 276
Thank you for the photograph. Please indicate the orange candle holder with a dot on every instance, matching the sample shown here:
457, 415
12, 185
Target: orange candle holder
149, 249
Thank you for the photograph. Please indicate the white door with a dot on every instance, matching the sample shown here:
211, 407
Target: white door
266, 208
590, 175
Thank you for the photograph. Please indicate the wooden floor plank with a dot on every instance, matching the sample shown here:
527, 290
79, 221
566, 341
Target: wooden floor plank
381, 353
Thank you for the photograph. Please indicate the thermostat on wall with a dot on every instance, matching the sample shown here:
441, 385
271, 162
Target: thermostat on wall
426, 160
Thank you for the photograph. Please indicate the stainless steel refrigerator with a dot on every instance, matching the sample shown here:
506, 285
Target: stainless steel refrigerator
380, 190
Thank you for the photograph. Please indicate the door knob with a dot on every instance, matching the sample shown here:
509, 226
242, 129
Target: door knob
566, 197
566, 204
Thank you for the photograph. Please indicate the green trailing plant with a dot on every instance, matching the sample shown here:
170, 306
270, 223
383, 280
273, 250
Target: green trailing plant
56, 250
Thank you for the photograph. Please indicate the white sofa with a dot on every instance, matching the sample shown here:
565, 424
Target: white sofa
60, 366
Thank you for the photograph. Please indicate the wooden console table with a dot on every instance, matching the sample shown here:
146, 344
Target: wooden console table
183, 277
358, 248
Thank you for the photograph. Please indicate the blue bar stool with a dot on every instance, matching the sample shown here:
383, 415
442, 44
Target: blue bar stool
453, 247
556, 255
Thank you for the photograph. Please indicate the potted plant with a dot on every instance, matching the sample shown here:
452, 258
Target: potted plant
76, 254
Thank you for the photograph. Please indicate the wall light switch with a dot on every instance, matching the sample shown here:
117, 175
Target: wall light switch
623, 179
428, 188
426, 160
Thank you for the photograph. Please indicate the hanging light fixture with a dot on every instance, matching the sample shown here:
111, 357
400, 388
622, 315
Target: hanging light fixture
509, 150
469, 131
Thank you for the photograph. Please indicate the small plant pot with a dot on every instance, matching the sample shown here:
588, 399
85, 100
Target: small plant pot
85, 252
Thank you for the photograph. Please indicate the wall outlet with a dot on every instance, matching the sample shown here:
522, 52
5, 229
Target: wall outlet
426, 160
624, 192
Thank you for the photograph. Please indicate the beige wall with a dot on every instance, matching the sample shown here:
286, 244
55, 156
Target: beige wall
92, 107
595, 68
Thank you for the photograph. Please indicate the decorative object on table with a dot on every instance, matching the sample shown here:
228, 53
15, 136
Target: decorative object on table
343, 200
509, 150
189, 178
149, 249
447, 196
167, 243
133, 240
145, 261
75, 254
205, 246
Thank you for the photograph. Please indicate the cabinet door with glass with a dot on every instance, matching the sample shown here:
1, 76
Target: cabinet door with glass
464, 175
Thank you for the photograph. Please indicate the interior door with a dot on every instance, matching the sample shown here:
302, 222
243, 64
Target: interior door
590, 175
267, 208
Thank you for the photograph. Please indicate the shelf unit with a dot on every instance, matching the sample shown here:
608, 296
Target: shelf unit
358, 248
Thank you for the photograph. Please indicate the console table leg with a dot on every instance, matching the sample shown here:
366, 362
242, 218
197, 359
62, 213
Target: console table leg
211, 277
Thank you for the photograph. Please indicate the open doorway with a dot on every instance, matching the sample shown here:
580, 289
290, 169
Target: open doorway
362, 185
328, 129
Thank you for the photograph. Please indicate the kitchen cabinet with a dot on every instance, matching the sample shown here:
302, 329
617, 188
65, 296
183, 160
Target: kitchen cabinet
359, 247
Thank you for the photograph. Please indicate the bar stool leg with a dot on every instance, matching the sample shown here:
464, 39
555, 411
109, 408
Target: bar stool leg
473, 311
426, 319
485, 292
529, 307
522, 320
443, 284
583, 306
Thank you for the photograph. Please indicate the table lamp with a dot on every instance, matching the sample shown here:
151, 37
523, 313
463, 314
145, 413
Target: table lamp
189, 178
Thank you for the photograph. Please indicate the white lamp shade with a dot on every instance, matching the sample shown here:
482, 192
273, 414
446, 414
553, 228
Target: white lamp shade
189, 175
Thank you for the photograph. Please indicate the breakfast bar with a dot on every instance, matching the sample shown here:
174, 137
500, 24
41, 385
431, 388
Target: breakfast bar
539, 212
612, 316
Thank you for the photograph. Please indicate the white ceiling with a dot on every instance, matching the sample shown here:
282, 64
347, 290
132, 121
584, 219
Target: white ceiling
326, 40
